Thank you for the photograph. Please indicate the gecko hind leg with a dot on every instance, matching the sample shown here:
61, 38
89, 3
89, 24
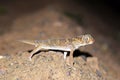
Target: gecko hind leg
33, 52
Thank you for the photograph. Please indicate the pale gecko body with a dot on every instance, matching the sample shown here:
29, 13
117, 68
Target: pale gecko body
66, 45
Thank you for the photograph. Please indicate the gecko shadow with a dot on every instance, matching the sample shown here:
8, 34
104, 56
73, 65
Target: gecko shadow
84, 55
77, 53
36, 52
47, 51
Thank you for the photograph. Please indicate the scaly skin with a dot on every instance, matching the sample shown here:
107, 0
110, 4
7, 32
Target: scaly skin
66, 45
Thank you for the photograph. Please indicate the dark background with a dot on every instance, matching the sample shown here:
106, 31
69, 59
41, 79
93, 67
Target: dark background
107, 10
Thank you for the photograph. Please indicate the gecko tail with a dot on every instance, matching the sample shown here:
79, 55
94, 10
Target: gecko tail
31, 42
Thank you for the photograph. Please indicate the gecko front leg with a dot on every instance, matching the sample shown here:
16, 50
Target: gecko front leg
65, 54
71, 58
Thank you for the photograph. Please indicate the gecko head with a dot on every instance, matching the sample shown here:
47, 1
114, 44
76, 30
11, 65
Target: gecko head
87, 39
83, 40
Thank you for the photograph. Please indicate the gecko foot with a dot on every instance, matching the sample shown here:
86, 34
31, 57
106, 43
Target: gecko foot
30, 59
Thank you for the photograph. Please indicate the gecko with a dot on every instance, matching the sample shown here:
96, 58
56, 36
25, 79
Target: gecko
66, 45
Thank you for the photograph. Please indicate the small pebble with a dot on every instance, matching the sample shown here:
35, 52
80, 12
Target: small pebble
98, 73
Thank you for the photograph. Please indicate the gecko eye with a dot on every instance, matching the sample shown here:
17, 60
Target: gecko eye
86, 39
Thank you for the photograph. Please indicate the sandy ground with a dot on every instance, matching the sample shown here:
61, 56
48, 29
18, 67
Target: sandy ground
99, 61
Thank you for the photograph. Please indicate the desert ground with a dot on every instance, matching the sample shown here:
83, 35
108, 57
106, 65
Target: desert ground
52, 19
